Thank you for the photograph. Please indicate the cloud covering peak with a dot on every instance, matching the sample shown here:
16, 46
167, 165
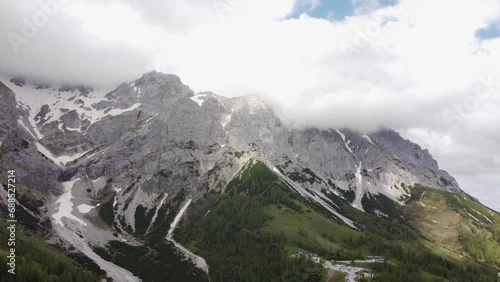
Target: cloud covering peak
419, 66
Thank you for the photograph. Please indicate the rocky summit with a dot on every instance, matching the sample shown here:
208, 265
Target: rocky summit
113, 164
156, 124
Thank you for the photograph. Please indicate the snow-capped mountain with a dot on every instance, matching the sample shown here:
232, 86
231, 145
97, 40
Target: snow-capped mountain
141, 145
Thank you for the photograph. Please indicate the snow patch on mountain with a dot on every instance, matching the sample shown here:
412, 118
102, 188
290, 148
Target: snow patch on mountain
197, 260
199, 99
83, 208
363, 135
58, 160
344, 139
359, 189
139, 198
33, 131
65, 208
59, 101
177, 218
115, 112
153, 219
225, 120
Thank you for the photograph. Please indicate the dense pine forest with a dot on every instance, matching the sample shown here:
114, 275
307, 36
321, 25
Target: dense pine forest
244, 236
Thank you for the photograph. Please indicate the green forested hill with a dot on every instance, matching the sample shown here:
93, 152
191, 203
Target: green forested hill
248, 232
37, 261
455, 226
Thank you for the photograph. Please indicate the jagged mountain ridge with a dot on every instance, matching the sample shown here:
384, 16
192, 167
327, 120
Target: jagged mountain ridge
159, 107
142, 144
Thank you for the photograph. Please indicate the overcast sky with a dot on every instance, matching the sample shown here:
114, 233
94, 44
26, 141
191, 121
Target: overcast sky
428, 68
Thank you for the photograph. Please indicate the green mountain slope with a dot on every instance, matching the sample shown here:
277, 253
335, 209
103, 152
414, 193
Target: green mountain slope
461, 228
248, 232
227, 230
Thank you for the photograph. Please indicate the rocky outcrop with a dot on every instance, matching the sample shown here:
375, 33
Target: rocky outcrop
131, 151
8, 117
158, 129
18, 151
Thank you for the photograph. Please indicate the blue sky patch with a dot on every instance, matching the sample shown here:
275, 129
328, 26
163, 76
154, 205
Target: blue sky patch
336, 10
490, 32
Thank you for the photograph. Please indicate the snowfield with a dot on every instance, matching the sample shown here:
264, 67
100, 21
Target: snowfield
65, 227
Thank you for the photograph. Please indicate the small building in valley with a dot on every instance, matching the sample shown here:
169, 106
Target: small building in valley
377, 259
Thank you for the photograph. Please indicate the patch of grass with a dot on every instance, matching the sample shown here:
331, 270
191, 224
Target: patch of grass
426, 276
238, 154
458, 227
311, 230
290, 251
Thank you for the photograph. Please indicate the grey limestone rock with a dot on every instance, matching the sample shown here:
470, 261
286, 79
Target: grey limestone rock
155, 134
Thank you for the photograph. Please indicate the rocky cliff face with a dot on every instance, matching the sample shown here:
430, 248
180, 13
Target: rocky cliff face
17, 149
8, 114
148, 141
156, 128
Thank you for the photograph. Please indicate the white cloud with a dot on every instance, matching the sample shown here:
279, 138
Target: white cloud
412, 67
